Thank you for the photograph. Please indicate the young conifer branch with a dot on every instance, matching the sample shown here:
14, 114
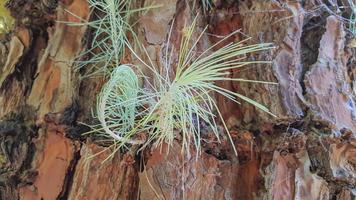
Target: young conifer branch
111, 24
177, 105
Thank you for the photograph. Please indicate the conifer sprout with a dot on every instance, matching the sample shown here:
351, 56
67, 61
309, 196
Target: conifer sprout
175, 105
117, 104
111, 24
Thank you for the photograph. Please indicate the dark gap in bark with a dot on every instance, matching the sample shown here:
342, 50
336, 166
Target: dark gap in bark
312, 32
218, 154
299, 125
74, 130
70, 114
36, 16
34, 13
77, 131
26, 67
351, 62
352, 74
131, 175
319, 158
220, 4
142, 158
87, 41
17, 151
317, 147
68, 182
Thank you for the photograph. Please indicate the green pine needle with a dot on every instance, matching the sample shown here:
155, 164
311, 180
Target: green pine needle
177, 105
110, 25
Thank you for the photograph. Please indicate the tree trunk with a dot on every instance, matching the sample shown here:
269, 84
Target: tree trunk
307, 152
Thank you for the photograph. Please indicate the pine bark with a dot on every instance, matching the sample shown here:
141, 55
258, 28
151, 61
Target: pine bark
307, 152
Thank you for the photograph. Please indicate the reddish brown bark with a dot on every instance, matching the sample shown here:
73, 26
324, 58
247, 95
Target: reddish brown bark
307, 152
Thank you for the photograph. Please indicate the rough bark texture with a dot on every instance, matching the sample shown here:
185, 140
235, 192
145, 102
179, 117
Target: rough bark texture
307, 152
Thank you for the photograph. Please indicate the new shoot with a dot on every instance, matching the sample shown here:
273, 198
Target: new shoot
168, 105
111, 24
